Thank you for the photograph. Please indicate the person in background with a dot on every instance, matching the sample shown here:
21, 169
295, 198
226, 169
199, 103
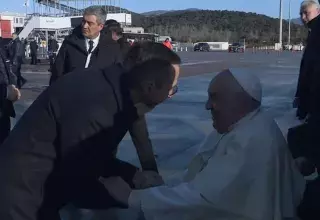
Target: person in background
309, 13
243, 171
16, 51
304, 139
8, 94
52, 49
87, 46
114, 27
168, 44
24, 43
34, 52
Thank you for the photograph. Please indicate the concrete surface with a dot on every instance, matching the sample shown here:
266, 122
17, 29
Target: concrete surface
178, 126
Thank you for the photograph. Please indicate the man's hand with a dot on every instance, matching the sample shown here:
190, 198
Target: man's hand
146, 179
13, 93
117, 188
306, 167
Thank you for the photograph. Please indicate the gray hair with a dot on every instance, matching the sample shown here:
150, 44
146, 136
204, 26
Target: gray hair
307, 3
99, 12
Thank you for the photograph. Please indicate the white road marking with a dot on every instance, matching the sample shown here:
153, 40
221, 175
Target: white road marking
200, 62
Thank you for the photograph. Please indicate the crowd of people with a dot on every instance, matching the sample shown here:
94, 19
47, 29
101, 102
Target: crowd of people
63, 149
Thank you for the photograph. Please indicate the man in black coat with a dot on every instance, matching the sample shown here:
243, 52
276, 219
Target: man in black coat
86, 46
34, 52
53, 47
8, 94
113, 28
16, 51
67, 138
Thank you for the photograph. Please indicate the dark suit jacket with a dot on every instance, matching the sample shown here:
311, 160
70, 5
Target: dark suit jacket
6, 77
69, 134
308, 89
73, 54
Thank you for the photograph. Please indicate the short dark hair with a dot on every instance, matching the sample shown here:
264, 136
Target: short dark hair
143, 51
158, 70
112, 25
110, 21
116, 28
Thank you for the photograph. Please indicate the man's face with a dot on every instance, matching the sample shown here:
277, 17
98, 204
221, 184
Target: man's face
155, 95
90, 26
219, 102
309, 13
115, 36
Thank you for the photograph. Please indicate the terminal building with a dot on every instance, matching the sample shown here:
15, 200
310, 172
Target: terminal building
58, 17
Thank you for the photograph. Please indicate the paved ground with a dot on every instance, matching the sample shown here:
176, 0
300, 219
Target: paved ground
178, 126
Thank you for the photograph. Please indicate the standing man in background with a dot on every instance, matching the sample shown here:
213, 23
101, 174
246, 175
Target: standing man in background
52, 49
16, 51
86, 46
168, 44
34, 52
304, 140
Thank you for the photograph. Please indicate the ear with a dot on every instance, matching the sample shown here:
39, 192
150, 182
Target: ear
101, 26
148, 86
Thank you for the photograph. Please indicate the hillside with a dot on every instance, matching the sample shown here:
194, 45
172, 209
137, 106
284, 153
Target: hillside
297, 21
207, 25
192, 25
160, 12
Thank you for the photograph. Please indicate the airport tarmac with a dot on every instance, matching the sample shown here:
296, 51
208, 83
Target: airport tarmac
179, 126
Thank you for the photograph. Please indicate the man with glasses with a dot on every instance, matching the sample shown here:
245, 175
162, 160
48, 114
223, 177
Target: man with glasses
67, 138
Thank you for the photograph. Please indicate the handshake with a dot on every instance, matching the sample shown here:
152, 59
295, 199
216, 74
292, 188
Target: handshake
147, 179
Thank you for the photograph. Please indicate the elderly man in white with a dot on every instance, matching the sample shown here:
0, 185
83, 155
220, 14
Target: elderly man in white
243, 172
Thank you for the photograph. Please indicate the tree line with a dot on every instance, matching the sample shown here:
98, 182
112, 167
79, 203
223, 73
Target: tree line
208, 25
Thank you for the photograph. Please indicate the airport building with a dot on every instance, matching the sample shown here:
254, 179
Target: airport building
58, 18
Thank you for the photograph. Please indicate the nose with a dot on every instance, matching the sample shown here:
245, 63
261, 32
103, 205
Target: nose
208, 105
85, 25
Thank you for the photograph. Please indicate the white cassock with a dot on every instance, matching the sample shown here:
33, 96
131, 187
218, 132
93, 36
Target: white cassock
246, 174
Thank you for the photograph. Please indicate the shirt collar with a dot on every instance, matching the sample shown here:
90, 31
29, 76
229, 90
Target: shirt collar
95, 40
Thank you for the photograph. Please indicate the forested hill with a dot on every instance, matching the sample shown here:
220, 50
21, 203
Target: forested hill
207, 25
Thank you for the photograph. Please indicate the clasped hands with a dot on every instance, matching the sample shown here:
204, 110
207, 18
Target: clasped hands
120, 190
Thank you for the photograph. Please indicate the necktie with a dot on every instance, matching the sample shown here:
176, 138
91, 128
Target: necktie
90, 46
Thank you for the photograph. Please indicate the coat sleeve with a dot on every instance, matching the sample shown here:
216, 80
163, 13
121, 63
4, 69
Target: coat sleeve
301, 80
140, 137
3, 85
57, 69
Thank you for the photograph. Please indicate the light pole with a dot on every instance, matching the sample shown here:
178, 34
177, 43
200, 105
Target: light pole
289, 34
280, 28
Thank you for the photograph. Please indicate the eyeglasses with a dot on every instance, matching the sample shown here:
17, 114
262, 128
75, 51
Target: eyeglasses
174, 91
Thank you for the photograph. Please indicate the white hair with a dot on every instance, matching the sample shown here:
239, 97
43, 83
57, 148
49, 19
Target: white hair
98, 11
307, 3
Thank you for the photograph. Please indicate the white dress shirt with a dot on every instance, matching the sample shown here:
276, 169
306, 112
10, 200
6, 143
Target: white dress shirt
95, 44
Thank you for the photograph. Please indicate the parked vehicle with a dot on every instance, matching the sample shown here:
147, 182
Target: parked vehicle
236, 48
202, 47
